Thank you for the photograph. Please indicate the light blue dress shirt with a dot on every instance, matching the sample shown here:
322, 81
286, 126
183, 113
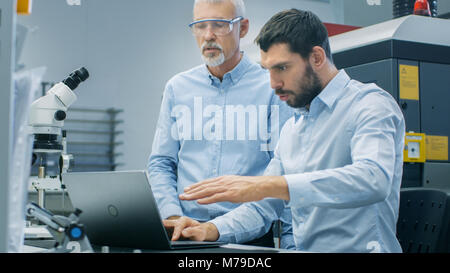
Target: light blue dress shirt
209, 128
342, 161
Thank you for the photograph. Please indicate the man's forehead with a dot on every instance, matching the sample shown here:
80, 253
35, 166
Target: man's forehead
276, 54
218, 10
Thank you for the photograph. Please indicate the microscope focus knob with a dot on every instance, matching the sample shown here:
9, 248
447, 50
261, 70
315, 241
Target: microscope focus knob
60, 115
75, 232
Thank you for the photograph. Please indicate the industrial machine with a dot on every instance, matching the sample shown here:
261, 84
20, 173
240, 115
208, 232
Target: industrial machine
47, 116
410, 58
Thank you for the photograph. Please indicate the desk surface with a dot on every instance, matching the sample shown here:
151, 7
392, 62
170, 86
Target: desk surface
228, 248
32, 246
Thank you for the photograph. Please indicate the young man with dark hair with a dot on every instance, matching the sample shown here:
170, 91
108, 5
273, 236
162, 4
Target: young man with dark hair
338, 163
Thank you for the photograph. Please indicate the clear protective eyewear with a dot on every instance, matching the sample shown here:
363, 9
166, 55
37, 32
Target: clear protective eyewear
219, 27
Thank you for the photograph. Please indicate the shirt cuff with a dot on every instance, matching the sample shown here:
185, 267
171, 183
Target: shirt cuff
224, 234
301, 193
170, 210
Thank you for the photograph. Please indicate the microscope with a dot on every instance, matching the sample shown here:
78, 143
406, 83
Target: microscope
68, 232
47, 115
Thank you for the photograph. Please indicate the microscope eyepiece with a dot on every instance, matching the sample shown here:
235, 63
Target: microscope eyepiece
82, 73
76, 77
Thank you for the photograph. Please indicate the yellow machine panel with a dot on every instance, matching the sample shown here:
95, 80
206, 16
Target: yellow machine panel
415, 148
24, 7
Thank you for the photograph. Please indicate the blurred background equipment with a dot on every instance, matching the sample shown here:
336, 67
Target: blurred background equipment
402, 8
424, 220
410, 58
68, 232
26, 87
24, 7
47, 115
422, 7
7, 68
93, 137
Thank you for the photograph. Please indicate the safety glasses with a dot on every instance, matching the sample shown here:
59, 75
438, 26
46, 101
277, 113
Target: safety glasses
219, 27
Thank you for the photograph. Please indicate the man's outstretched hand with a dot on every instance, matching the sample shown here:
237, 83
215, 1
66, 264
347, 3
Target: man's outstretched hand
237, 189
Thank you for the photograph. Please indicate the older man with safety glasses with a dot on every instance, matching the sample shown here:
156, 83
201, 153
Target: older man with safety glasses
217, 119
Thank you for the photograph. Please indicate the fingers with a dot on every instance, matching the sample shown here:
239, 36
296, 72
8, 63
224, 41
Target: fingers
208, 191
221, 189
194, 233
176, 226
177, 231
203, 232
206, 188
179, 226
200, 185
188, 228
169, 223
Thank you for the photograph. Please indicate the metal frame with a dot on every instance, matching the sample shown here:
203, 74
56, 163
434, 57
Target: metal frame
111, 122
7, 59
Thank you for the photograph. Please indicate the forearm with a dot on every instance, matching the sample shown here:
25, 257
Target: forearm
274, 187
249, 221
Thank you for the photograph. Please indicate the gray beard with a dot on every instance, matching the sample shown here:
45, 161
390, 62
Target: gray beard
214, 61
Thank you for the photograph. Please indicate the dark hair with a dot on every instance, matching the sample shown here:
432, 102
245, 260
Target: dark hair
301, 30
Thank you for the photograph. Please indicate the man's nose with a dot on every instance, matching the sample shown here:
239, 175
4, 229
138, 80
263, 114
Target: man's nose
275, 82
209, 34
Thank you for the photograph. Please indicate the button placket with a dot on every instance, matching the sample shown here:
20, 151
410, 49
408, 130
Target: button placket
218, 143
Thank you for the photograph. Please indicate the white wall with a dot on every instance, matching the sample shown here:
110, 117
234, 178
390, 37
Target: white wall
131, 48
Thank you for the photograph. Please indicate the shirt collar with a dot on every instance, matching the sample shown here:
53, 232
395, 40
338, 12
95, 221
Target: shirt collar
329, 94
298, 112
236, 74
334, 88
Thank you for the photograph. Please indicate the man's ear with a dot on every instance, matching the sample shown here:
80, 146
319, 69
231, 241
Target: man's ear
244, 26
318, 57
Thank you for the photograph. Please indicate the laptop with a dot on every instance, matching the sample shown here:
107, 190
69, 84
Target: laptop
119, 210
